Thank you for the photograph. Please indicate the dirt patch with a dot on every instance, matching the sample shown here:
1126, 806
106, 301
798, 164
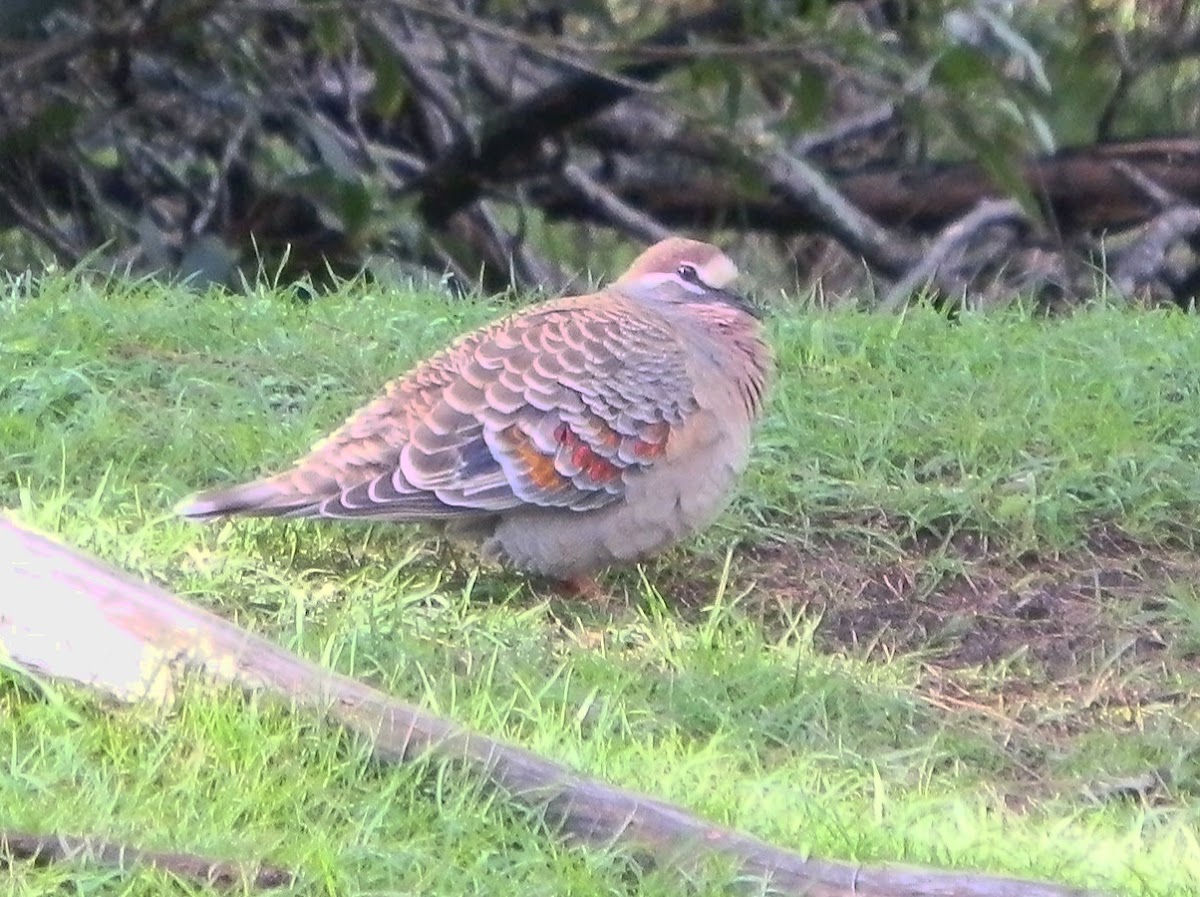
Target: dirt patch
962, 606
1046, 655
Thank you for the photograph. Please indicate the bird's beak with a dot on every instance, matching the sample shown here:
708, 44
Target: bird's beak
738, 301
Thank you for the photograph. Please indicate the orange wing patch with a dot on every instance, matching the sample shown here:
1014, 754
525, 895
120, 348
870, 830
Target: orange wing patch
539, 468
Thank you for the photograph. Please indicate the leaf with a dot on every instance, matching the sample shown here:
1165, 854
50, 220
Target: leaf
733, 98
1031, 120
53, 122
330, 149
1002, 161
354, 207
961, 67
811, 95
1017, 45
329, 31
345, 206
713, 71
390, 83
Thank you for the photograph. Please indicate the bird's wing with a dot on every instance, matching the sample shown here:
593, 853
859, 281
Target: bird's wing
553, 407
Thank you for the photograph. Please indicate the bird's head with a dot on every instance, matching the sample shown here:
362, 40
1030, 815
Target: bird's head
683, 270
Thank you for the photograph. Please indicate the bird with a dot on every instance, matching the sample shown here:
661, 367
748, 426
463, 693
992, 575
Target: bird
568, 437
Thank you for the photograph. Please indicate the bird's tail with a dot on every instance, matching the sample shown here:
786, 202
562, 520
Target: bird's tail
269, 497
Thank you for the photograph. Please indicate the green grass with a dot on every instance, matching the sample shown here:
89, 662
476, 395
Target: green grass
998, 425
891, 444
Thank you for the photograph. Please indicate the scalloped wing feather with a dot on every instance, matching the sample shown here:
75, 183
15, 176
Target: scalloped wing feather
552, 407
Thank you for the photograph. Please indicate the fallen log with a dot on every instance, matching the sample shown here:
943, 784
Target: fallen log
42, 850
1080, 190
68, 616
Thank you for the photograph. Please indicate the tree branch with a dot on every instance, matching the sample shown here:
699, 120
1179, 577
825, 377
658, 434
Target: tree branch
620, 214
809, 190
41, 850
1145, 259
1082, 188
458, 176
951, 241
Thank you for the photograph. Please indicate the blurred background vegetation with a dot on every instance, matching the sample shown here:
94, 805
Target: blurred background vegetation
868, 150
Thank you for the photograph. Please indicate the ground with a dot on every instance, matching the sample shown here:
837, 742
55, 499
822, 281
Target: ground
951, 617
962, 608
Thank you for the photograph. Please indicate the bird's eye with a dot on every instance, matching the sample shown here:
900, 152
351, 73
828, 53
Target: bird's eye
688, 273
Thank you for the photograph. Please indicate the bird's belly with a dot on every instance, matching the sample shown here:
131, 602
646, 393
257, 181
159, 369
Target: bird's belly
661, 506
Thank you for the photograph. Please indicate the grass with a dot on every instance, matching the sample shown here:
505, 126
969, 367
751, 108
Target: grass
961, 624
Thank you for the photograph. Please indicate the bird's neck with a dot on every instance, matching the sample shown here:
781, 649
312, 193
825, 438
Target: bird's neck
736, 345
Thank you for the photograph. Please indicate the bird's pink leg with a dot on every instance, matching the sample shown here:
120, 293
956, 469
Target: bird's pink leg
583, 586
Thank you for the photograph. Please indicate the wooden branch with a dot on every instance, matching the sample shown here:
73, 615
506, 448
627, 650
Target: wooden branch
793, 178
619, 214
1081, 190
832, 140
507, 259
442, 112
458, 176
1162, 199
41, 850
953, 240
133, 31
219, 179
1145, 259
1139, 265
69, 616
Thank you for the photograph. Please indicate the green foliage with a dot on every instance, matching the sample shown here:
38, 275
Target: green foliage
299, 138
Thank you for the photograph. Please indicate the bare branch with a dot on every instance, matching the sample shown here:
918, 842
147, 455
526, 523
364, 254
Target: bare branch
1151, 189
812, 192
141, 28
459, 175
953, 240
1080, 186
865, 125
218, 179
42, 850
619, 213
442, 111
559, 52
1145, 260
54, 237
506, 255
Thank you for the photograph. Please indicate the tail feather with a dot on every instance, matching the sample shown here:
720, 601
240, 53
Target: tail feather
283, 496
261, 498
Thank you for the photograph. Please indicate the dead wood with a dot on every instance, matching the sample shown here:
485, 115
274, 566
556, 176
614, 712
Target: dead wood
69, 616
621, 215
459, 175
1145, 261
169, 150
41, 850
1079, 190
1144, 267
791, 177
952, 243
